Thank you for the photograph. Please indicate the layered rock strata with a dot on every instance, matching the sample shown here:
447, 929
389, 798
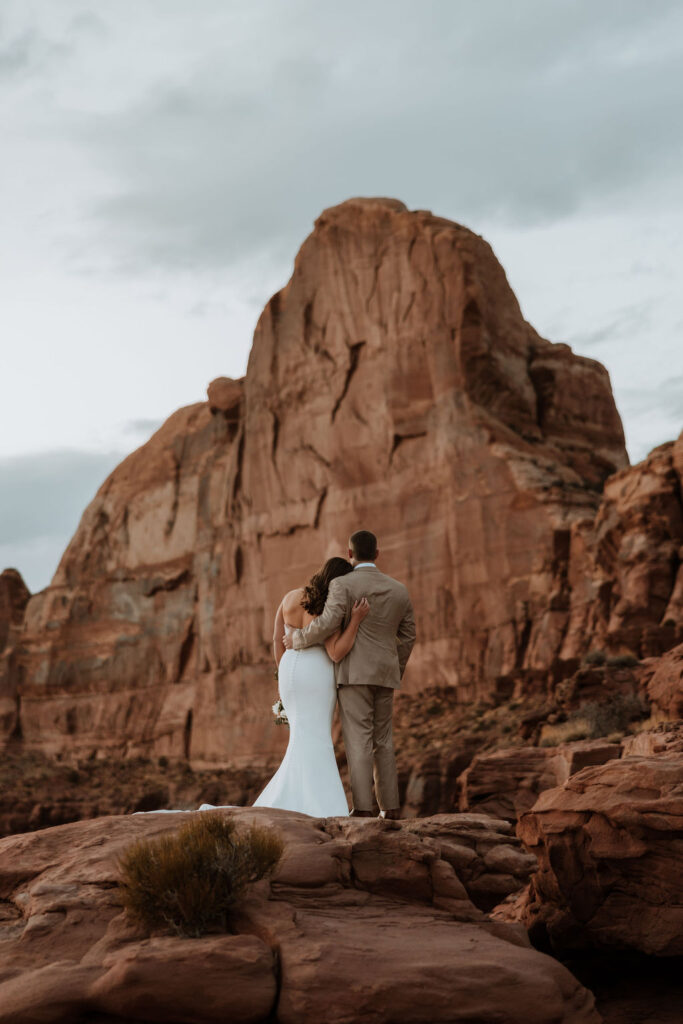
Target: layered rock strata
394, 384
609, 848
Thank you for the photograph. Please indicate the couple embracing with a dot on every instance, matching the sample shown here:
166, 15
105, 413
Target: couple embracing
345, 636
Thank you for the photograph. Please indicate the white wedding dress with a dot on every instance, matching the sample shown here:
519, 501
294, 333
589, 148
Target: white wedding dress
308, 778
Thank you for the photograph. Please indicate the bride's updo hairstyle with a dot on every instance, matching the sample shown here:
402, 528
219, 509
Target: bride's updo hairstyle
315, 593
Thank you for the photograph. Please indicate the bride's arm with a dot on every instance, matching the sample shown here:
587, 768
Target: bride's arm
340, 643
278, 630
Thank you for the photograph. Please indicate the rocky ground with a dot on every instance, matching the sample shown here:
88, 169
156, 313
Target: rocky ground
448, 917
363, 921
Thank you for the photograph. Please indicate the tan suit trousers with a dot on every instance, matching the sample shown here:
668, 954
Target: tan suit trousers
366, 713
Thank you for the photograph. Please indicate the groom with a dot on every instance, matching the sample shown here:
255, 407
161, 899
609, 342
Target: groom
371, 671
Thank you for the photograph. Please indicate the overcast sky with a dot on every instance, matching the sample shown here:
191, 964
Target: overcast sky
162, 161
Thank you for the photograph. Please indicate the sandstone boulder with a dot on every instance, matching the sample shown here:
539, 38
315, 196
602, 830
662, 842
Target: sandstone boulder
363, 921
507, 782
609, 849
225, 395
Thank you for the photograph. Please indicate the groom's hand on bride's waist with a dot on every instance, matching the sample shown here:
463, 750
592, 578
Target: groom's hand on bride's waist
287, 641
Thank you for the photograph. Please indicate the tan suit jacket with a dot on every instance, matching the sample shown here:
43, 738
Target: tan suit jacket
385, 636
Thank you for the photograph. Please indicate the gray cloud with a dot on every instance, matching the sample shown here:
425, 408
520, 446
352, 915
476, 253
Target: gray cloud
520, 112
145, 427
666, 398
630, 320
42, 499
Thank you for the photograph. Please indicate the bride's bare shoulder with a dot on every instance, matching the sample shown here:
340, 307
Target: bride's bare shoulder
293, 599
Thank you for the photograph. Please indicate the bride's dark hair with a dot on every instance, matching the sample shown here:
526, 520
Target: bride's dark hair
315, 592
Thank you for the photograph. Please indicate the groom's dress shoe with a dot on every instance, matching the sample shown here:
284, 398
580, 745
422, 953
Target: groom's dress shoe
393, 815
361, 814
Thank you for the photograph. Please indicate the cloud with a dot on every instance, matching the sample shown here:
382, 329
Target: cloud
143, 426
43, 498
522, 112
632, 319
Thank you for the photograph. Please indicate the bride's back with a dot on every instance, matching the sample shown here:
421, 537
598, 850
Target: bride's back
294, 613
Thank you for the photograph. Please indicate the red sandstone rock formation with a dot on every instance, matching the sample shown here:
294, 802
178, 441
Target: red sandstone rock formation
625, 570
507, 782
363, 921
663, 682
393, 383
396, 355
609, 850
14, 597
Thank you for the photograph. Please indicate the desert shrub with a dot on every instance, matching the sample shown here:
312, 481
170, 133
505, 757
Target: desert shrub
593, 720
595, 657
622, 661
614, 715
190, 880
576, 728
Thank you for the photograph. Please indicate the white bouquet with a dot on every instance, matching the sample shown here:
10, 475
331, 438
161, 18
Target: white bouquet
279, 712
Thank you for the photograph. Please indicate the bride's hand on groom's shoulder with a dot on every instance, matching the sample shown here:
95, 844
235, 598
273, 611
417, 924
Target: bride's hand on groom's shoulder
360, 609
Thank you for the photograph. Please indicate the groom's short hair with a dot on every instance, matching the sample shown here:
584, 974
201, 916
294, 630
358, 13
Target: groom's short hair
364, 545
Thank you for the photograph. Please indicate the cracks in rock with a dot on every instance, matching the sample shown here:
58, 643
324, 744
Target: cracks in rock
124, 527
316, 454
406, 311
186, 649
170, 522
523, 640
17, 733
295, 527
543, 382
276, 435
354, 356
319, 508
400, 438
239, 563
165, 583
376, 269
187, 735
237, 482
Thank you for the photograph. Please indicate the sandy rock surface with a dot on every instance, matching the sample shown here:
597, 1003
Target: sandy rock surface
362, 921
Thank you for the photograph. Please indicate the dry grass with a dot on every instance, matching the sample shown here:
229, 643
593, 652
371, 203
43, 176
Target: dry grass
189, 881
565, 732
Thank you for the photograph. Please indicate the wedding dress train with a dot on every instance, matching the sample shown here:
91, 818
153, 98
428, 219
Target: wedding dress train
308, 778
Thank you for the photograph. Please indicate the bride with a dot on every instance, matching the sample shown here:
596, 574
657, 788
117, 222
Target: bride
308, 779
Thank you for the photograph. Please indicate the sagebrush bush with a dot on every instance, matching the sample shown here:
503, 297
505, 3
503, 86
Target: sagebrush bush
593, 720
595, 657
622, 661
190, 880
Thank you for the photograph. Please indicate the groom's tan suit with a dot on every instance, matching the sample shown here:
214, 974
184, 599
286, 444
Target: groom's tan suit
368, 675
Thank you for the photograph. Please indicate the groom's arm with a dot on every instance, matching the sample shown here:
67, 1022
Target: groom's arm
405, 636
331, 618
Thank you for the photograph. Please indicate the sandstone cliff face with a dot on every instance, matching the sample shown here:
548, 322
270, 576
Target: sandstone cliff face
393, 384
625, 571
